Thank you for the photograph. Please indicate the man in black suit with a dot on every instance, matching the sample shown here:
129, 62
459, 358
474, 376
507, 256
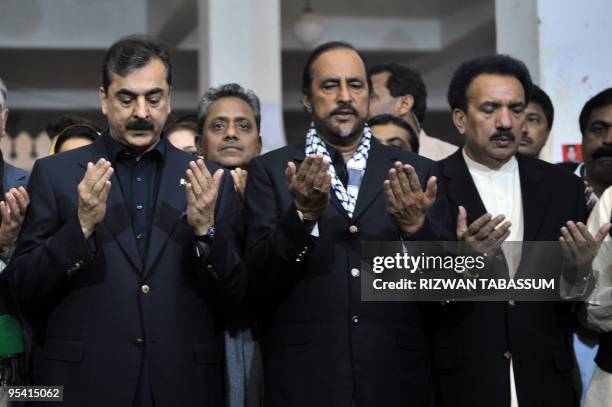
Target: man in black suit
127, 258
504, 353
321, 345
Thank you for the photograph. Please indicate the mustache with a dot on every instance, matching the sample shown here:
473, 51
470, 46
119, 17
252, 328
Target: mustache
603, 151
498, 135
139, 124
526, 139
344, 110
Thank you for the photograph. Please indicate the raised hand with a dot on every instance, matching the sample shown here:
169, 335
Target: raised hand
485, 234
93, 194
581, 246
240, 178
407, 204
13, 210
202, 191
310, 186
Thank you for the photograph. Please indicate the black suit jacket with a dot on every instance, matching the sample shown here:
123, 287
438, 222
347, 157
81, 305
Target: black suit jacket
94, 318
323, 346
472, 339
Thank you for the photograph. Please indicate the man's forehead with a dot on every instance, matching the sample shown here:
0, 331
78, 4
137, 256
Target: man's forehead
603, 114
534, 107
495, 87
143, 79
231, 107
338, 63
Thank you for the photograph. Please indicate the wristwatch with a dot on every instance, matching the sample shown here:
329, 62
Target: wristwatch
202, 243
208, 237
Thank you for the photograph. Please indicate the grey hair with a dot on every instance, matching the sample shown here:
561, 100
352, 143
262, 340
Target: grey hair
3, 95
228, 90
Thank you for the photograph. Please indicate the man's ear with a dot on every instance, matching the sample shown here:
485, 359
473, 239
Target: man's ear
170, 100
103, 99
201, 144
306, 103
404, 105
259, 144
459, 120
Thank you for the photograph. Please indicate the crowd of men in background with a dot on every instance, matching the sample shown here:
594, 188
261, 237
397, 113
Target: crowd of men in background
157, 264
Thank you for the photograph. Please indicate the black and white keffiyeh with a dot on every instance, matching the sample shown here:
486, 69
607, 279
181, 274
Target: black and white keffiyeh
356, 167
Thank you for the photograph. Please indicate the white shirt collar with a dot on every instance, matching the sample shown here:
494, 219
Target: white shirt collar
509, 167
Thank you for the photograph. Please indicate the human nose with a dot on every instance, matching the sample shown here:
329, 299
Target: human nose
142, 109
504, 119
344, 94
231, 130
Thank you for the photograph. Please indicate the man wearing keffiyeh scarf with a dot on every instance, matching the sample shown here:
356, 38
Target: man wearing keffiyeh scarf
12, 209
309, 206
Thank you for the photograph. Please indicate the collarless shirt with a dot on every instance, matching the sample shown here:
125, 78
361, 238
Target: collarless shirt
500, 192
139, 179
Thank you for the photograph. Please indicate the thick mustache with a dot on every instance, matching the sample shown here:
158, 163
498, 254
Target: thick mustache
344, 110
526, 139
140, 124
603, 151
502, 134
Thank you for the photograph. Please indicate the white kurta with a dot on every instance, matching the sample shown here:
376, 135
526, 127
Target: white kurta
500, 192
599, 304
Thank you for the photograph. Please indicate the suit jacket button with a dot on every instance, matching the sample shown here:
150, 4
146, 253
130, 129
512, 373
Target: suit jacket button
145, 289
511, 303
353, 229
355, 319
139, 342
507, 354
355, 272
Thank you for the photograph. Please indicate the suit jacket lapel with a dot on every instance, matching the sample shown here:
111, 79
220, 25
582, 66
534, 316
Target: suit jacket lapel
170, 205
535, 197
117, 217
461, 189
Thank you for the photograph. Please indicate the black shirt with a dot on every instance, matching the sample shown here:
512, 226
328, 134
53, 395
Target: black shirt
139, 182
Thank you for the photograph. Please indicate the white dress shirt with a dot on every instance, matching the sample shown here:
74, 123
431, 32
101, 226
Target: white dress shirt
500, 192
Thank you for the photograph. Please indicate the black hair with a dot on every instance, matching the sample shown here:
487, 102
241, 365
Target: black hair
405, 80
59, 123
503, 65
212, 95
81, 130
383, 119
131, 53
543, 100
187, 122
318, 51
602, 99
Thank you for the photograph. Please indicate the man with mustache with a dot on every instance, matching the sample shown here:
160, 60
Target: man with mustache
596, 128
229, 121
308, 208
539, 116
504, 353
128, 262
